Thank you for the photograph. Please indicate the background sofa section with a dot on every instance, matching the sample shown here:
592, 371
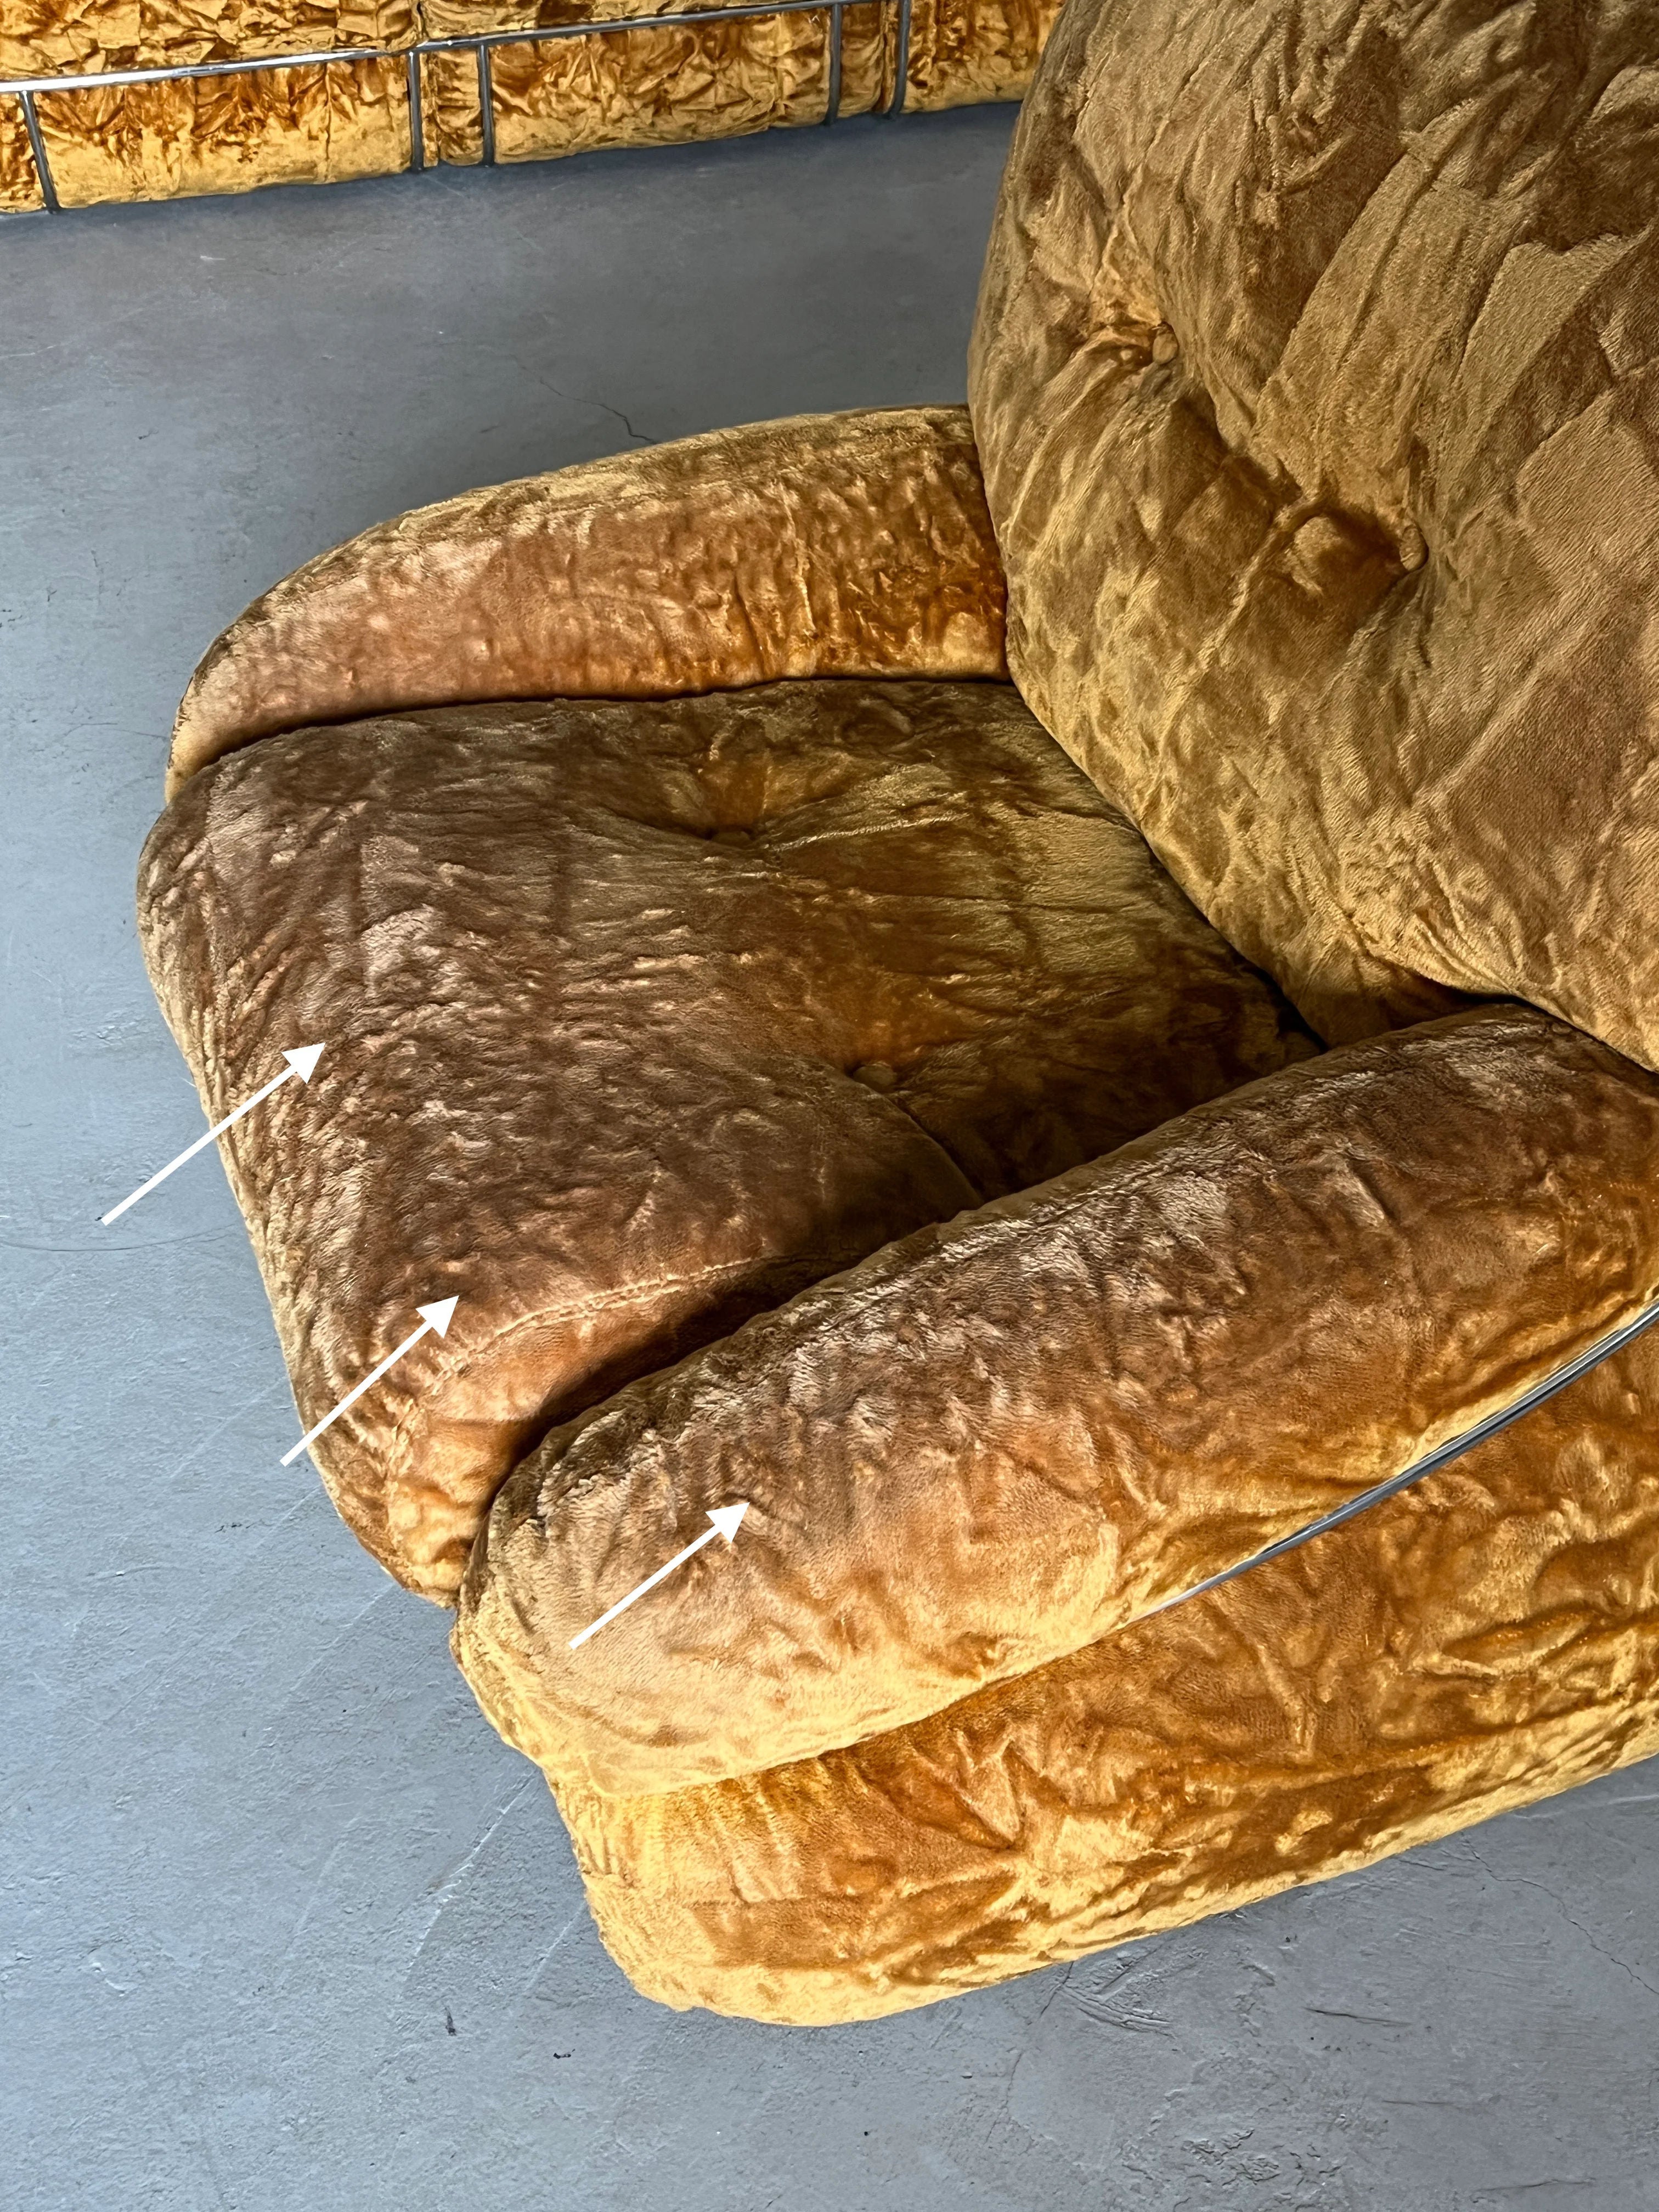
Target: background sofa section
320, 122
314, 123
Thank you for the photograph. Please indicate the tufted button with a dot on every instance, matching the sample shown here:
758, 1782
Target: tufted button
1321, 552
1165, 344
1413, 547
878, 1074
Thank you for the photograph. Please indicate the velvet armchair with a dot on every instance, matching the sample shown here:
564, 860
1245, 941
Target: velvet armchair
1042, 994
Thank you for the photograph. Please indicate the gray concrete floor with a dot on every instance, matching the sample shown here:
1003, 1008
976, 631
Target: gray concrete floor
282, 1925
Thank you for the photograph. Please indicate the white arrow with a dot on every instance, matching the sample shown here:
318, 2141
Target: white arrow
302, 1061
436, 1317
725, 1518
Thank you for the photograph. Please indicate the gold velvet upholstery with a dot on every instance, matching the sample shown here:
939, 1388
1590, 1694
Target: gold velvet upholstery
318, 124
950, 1481
1467, 1648
820, 1091
806, 966
312, 124
843, 545
656, 87
1357, 312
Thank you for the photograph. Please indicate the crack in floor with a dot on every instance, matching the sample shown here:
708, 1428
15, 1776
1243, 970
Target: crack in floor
1531, 1882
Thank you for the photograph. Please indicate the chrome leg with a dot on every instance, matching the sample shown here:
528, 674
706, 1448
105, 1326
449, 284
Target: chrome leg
38, 147
487, 106
901, 59
832, 106
416, 133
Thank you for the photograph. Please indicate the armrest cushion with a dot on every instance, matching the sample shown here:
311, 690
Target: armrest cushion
854, 545
998, 1440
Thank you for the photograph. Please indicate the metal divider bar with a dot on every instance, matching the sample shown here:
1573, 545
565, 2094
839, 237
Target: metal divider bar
486, 107
38, 147
481, 42
901, 59
832, 106
416, 134
165, 73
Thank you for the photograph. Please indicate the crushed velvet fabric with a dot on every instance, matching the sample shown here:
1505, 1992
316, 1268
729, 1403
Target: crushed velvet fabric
316, 125
649, 87
1433, 1221
961, 52
829, 545
1469, 1647
703, 1015
1317, 384
564, 96
641, 1018
46, 35
20, 188
660, 86
312, 125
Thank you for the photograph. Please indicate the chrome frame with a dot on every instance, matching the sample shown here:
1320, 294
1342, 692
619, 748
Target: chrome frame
1492, 1425
27, 89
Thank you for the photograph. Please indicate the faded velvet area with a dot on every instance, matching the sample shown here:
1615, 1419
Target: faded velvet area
819, 1089
641, 1019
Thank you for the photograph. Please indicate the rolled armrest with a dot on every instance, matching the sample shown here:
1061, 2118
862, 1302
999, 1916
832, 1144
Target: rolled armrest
854, 545
1000, 1440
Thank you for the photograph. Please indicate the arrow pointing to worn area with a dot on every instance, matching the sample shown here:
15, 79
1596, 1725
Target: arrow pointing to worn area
724, 1519
435, 1320
302, 1061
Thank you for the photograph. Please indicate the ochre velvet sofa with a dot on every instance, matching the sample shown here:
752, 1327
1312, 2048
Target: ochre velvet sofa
405, 104
1043, 994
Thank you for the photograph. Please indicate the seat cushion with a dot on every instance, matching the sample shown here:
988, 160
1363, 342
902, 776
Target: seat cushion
641, 1016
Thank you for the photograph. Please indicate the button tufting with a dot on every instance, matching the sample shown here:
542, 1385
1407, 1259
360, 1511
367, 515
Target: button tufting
878, 1074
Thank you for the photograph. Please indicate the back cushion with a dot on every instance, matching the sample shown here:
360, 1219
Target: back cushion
1314, 382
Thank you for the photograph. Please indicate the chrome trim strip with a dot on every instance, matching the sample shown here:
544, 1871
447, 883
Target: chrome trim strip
832, 104
1432, 1462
